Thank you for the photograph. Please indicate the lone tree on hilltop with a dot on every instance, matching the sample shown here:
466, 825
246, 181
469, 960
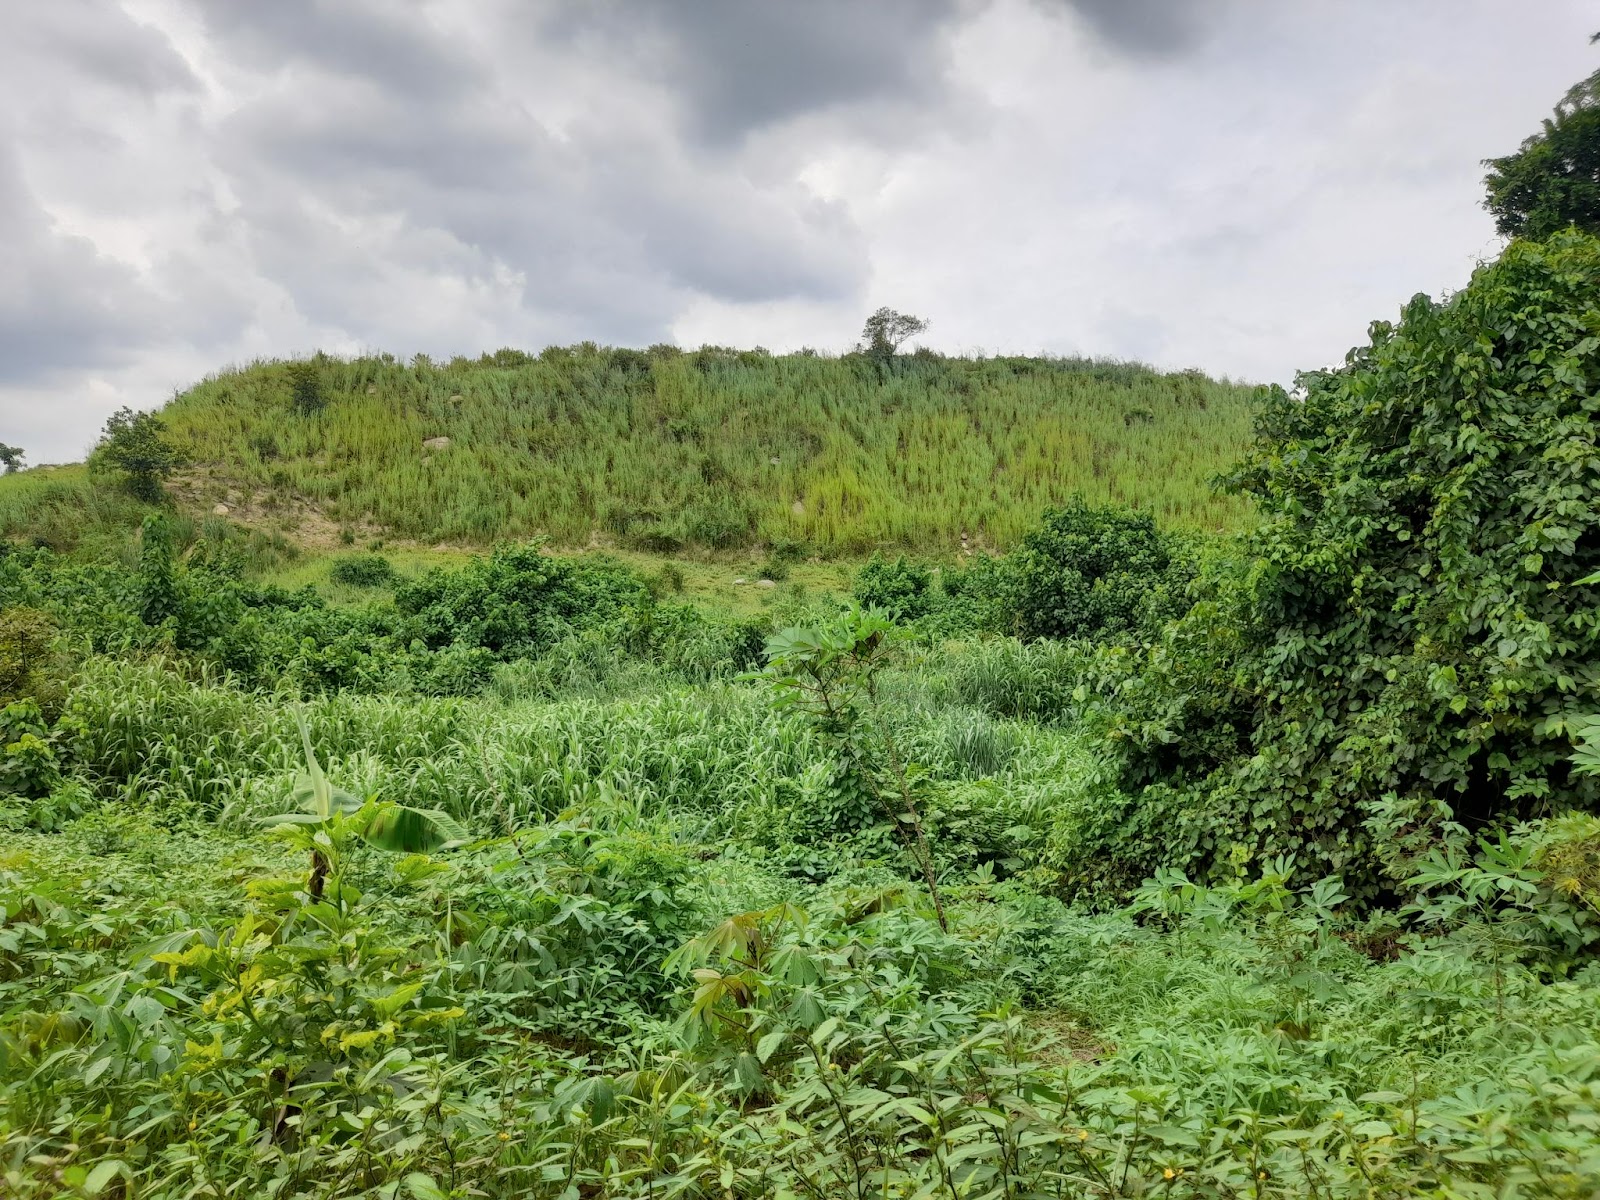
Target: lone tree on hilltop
135, 443
1553, 180
11, 457
886, 330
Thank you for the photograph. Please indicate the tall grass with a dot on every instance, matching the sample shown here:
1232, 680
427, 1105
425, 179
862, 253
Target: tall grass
722, 448
62, 508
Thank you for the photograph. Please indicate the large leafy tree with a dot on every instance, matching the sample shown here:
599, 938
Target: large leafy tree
1553, 180
1417, 631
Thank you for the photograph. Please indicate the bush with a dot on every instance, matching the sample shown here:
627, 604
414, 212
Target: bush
1091, 572
362, 570
305, 388
1403, 646
900, 589
136, 445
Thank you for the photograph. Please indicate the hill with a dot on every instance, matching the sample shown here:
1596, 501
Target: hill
713, 448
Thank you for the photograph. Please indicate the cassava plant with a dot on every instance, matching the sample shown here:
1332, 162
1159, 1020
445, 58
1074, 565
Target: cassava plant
830, 673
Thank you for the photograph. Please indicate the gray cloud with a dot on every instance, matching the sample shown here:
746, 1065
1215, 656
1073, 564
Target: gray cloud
1155, 28
743, 65
62, 304
94, 40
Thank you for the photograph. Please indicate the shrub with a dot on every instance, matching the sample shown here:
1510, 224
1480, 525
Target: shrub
900, 589
1090, 572
136, 445
362, 570
1403, 646
305, 388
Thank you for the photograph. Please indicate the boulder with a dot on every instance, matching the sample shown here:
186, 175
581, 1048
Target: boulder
765, 583
436, 443
220, 510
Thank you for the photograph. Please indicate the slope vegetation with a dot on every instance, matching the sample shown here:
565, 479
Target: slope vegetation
713, 448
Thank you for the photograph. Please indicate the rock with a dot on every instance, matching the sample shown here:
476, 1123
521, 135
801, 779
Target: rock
436, 443
740, 579
220, 510
798, 508
456, 399
372, 389
765, 583
773, 461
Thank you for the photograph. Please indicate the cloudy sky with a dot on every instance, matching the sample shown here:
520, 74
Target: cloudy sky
1240, 185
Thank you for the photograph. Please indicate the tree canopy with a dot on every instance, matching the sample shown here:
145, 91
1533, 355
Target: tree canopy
1553, 180
135, 443
887, 330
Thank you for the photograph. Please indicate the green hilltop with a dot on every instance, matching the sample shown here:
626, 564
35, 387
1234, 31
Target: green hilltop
714, 448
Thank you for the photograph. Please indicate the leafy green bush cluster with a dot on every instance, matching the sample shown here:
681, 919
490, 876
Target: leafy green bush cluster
443, 634
1409, 636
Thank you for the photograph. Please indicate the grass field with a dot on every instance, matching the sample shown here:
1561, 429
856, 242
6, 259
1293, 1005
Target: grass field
713, 449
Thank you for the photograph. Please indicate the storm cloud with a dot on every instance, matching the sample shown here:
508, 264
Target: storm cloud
1231, 184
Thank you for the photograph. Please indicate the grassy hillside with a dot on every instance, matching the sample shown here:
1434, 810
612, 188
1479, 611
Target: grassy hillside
714, 448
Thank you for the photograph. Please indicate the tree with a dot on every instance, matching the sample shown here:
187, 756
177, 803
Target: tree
886, 330
11, 456
1553, 180
135, 443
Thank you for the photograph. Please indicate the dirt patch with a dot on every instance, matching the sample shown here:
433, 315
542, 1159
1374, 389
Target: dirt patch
1064, 1040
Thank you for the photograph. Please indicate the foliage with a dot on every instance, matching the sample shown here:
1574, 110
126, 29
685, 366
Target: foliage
663, 451
516, 602
305, 387
11, 457
899, 589
1414, 633
31, 667
1553, 180
362, 570
886, 330
136, 445
1091, 572
831, 675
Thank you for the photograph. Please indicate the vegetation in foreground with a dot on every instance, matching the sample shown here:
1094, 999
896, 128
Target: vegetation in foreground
1129, 863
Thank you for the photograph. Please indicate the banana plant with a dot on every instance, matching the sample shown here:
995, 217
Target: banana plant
326, 818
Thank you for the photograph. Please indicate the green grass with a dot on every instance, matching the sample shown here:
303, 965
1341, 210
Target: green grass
714, 448
63, 508
708, 580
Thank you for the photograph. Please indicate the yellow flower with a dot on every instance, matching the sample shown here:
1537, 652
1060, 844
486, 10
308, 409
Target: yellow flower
193, 1125
504, 1136
1168, 1173
1083, 1135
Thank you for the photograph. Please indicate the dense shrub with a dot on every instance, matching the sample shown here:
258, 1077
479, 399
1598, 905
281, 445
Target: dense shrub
1414, 636
900, 589
1091, 572
362, 570
517, 601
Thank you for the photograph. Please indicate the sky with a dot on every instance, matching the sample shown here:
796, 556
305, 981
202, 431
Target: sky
1236, 185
